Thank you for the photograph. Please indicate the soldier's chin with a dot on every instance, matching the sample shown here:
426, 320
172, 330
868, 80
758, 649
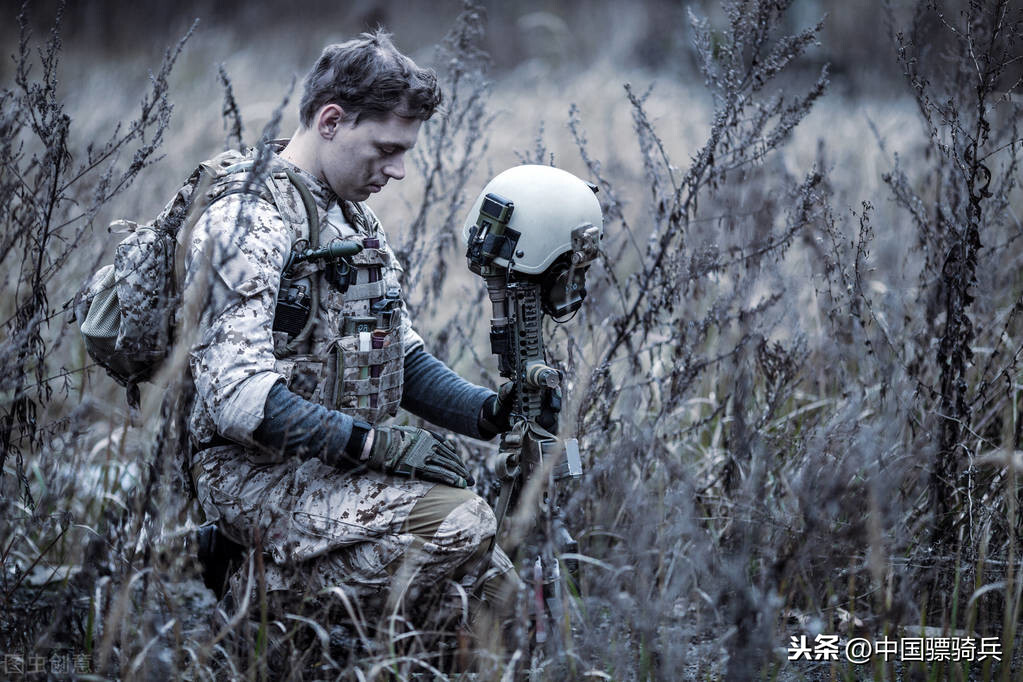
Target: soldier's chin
354, 195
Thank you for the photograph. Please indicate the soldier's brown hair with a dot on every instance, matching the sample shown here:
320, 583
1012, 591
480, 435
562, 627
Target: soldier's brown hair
368, 76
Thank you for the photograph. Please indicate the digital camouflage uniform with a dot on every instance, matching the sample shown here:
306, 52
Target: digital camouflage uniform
320, 525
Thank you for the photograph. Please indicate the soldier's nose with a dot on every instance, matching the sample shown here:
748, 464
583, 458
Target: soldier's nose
395, 169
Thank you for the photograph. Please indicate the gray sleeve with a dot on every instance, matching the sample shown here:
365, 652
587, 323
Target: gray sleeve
434, 392
294, 426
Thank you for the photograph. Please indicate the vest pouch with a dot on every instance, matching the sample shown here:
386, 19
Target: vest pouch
372, 398
334, 370
305, 376
352, 325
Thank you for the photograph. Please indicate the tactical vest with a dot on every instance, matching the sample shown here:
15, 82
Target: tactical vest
352, 360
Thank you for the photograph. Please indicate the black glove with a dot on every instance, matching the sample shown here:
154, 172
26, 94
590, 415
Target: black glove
495, 417
550, 409
417, 453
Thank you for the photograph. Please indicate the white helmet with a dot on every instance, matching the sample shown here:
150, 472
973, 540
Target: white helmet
547, 207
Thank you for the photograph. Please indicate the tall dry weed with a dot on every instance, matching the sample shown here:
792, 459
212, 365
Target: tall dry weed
68, 481
787, 431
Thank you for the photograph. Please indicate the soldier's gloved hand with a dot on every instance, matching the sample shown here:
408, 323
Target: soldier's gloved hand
550, 409
495, 417
417, 453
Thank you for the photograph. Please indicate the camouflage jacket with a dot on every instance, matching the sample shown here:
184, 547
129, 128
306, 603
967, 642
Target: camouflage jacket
237, 252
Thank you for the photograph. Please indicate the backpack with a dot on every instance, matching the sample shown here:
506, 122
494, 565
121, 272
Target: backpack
129, 308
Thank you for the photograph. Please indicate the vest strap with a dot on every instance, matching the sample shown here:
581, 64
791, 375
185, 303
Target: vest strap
377, 356
363, 292
374, 385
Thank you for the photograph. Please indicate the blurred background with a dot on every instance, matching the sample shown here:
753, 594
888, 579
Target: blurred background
545, 57
764, 465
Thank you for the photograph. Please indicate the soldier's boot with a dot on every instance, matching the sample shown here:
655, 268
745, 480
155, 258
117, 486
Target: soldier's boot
219, 557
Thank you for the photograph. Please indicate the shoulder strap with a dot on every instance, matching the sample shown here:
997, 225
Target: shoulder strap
211, 182
313, 218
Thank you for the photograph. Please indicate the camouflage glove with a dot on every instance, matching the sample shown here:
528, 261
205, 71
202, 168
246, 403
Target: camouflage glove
417, 453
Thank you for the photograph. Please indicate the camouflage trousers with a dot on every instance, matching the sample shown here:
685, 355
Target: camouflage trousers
374, 536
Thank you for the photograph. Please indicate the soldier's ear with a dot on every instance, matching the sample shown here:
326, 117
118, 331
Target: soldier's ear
328, 120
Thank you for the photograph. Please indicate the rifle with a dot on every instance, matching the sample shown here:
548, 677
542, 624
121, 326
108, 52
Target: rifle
532, 460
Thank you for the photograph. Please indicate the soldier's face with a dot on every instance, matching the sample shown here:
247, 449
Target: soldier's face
358, 159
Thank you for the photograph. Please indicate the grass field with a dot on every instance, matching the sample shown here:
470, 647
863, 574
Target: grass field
795, 380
